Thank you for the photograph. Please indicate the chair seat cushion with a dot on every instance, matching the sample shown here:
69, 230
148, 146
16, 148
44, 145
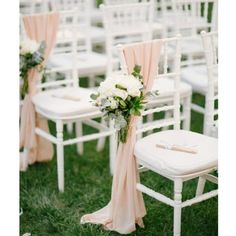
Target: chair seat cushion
64, 102
196, 76
176, 163
97, 34
165, 85
88, 63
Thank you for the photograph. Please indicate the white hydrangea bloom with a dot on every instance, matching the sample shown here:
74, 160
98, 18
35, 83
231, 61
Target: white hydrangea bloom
133, 92
28, 45
106, 88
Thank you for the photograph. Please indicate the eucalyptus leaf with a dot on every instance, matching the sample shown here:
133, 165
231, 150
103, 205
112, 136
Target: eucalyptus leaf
94, 96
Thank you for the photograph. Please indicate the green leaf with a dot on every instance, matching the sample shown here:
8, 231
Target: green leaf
94, 96
120, 87
122, 103
137, 69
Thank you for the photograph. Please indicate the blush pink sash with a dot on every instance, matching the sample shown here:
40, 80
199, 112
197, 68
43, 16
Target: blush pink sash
126, 207
38, 27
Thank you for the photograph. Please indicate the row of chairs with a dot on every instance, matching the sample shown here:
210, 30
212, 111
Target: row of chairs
73, 58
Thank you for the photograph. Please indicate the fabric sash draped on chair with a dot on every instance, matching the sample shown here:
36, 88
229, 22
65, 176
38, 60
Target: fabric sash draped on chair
126, 207
40, 27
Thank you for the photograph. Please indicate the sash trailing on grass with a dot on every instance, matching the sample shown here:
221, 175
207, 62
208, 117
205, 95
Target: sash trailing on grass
126, 207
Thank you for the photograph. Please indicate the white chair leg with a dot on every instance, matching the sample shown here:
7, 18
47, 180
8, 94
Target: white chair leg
69, 126
60, 155
91, 81
113, 142
187, 112
101, 141
79, 133
178, 185
200, 185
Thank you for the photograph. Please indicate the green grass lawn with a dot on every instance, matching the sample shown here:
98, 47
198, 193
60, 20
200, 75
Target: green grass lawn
88, 188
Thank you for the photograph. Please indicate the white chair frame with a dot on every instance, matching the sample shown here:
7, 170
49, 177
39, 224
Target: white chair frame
103, 130
71, 80
210, 49
203, 175
209, 42
119, 21
189, 21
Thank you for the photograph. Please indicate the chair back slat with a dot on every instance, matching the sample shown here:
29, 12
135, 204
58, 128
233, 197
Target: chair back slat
210, 42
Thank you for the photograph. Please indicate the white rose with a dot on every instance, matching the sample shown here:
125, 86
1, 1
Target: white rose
134, 92
106, 88
120, 93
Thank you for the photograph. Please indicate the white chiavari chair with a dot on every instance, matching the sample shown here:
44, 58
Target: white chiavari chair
158, 29
120, 23
63, 101
84, 8
166, 152
190, 18
90, 64
202, 76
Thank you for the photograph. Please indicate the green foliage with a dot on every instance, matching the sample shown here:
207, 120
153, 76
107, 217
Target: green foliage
28, 62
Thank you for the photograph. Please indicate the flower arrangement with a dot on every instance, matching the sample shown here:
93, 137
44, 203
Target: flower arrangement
120, 97
31, 56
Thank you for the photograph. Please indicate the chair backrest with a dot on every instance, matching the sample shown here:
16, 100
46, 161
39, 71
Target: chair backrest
210, 44
79, 18
192, 16
126, 23
169, 67
34, 6
66, 47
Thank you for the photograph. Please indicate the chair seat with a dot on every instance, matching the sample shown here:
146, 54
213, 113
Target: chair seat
170, 19
88, 63
196, 76
64, 102
96, 16
165, 85
176, 163
97, 34
191, 46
